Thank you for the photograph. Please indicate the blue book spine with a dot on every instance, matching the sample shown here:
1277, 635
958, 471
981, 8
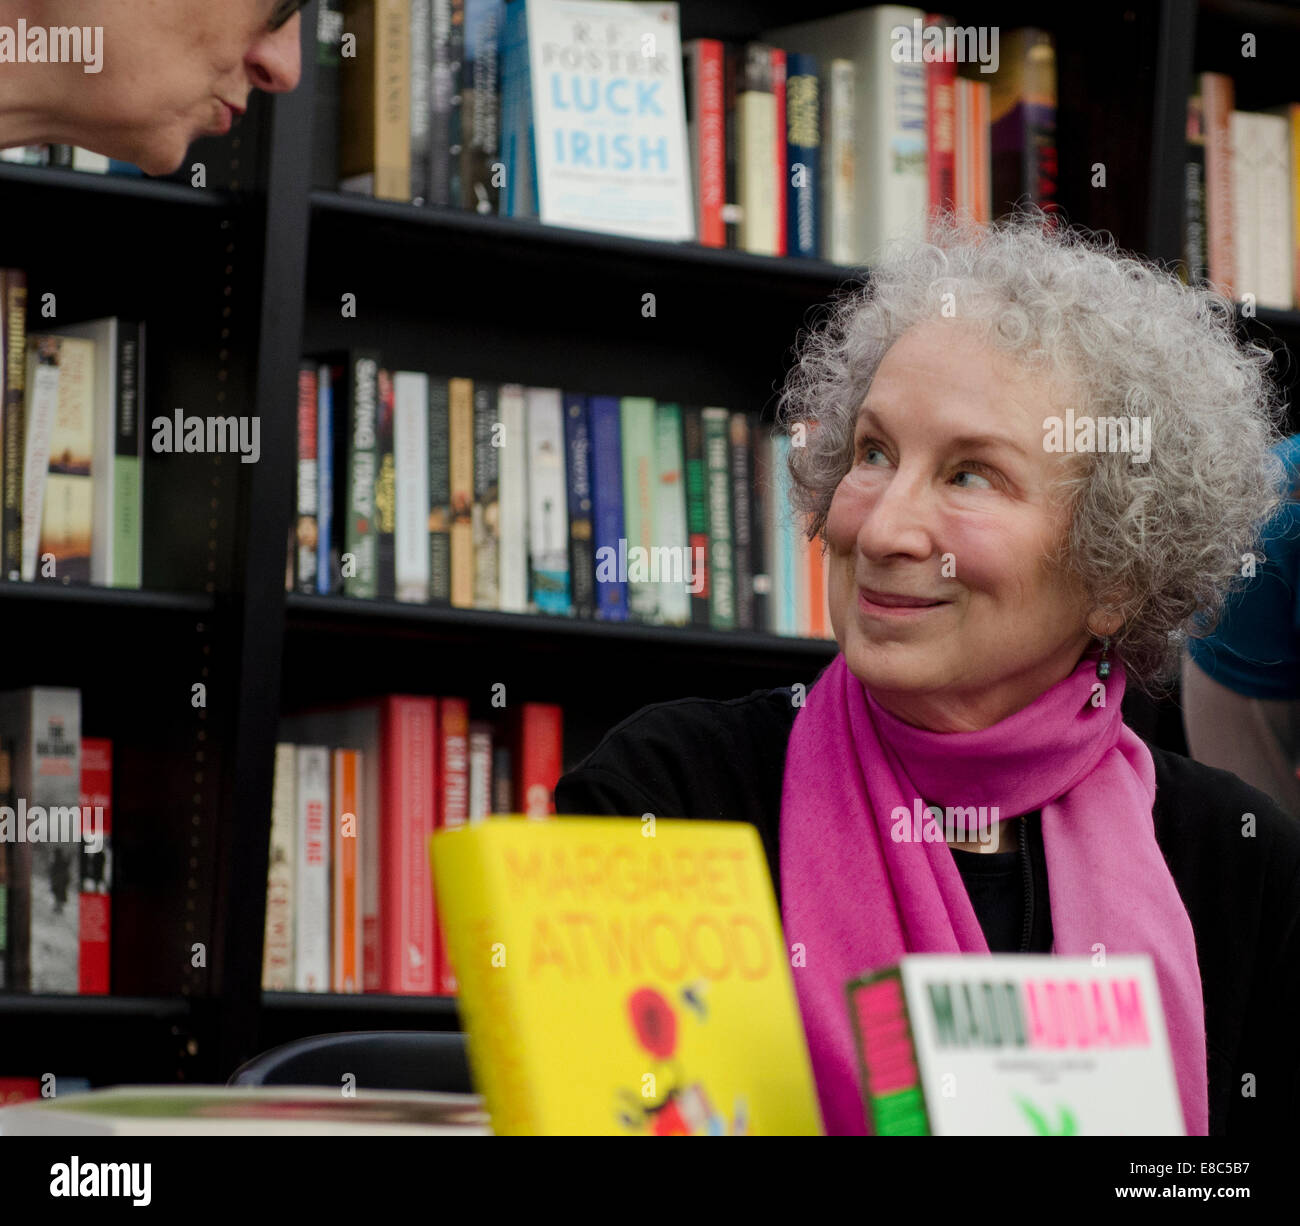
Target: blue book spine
324, 479
803, 145
577, 448
607, 506
785, 542
513, 32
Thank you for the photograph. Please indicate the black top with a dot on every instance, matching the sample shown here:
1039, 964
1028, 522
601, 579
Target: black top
1239, 879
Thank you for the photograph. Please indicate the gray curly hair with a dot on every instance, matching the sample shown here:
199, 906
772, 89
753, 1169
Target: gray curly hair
1160, 543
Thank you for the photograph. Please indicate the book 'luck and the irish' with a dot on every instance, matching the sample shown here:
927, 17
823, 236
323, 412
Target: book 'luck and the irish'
623, 977
1015, 1045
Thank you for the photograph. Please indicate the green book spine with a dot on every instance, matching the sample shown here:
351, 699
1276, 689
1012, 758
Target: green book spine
697, 510
439, 493
637, 414
359, 536
128, 490
675, 575
722, 571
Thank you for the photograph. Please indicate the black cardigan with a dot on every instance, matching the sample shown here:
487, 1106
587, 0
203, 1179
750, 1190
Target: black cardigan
704, 758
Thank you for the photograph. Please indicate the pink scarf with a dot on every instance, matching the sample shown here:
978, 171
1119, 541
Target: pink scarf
857, 900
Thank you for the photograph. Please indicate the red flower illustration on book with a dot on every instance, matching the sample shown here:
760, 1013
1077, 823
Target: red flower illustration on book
654, 1022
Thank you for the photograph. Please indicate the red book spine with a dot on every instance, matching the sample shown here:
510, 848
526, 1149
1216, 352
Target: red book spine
782, 162
711, 123
941, 124
453, 797
541, 757
408, 950
96, 874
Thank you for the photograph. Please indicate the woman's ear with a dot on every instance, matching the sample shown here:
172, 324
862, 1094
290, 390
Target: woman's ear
1103, 623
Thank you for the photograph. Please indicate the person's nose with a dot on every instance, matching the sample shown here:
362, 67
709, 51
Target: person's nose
274, 61
897, 522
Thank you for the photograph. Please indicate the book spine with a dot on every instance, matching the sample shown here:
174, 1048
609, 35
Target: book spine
697, 511
44, 355
1217, 99
461, 444
94, 920
1195, 268
760, 538
440, 92
346, 910
11, 515
453, 798
439, 492
456, 103
1245, 206
840, 198
742, 493
732, 68
940, 106
670, 518
65, 521
514, 499
312, 884
485, 522
577, 450
325, 118
503, 779
308, 536
887, 1062
385, 492
607, 507
756, 181
325, 560
722, 573
1041, 120
784, 545
816, 589
706, 111
6, 861
393, 101
481, 108
360, 545
548, 511
55, 896
803, 153
540, 757
421, 80
408, 937
1276, 238
780, 167
411, 453
278, 946
638, 422
480, 771
128, 460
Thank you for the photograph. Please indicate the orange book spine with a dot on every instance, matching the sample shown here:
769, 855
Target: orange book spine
817, 627
453, 802
1217, 98
460, 431
346, 795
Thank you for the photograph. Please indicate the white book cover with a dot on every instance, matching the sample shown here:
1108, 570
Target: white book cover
44, 353
480, 771
892, 177
839, 175
1245, 203
357, 726
609, 116
312, 931
1276, 230
513, 497
411, 455
1025, 1044
548, 502
103, 334
277, 949
757, 181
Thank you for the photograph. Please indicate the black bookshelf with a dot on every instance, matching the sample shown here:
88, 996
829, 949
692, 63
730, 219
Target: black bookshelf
235, 281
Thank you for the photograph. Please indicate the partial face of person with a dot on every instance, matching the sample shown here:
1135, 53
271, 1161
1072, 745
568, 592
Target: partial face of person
941, 593
175, 70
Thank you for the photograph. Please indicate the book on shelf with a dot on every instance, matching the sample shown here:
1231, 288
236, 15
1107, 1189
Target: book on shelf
623, 1016
95, 917
1040, 1045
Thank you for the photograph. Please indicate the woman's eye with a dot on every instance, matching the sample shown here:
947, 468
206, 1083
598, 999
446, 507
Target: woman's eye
966, 472
867, 451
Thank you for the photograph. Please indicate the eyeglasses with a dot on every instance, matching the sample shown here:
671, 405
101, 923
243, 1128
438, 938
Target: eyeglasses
283, 12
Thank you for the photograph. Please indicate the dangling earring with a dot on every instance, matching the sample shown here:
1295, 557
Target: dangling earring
1103, 662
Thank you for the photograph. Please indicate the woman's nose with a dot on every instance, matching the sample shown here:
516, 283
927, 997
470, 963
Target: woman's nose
274, 61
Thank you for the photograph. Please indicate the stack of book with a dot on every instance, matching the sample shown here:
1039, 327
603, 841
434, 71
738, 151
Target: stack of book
1241, 225
56, 810
823, 140
358, 792
485, 495
73, 459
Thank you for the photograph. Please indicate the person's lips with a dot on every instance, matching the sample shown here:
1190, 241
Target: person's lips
896, 602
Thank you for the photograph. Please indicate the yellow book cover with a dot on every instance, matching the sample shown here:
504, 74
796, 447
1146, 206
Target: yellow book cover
623, 977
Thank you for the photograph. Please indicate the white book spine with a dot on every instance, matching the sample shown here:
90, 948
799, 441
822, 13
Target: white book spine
512, 412
548, 507
669, 510
42, 405
480, 773
312, 933
411, 451
1276, 234
840, 177
756, 183
1245, 199
277, 955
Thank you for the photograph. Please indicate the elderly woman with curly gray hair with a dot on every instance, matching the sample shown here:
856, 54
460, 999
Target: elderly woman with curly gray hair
1033, 463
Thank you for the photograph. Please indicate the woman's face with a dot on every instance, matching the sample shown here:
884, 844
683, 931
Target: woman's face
949, 502
174, 70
